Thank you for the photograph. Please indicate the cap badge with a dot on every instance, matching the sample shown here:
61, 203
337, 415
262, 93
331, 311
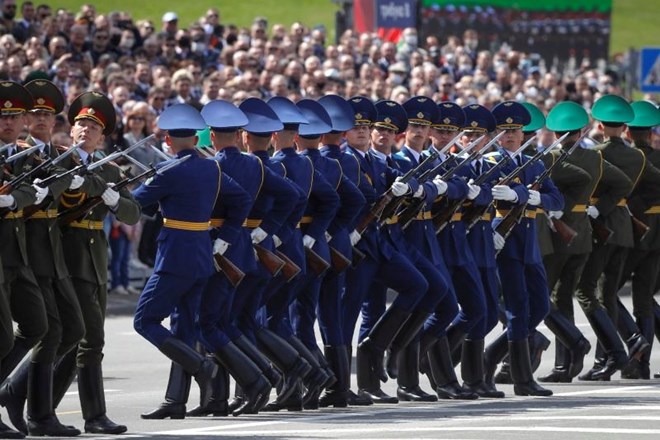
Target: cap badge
390, 103
447, 105
446, 120
474, 124
509, 120
41, 101
388, 120
508, 104
8, 104
420, 115
358, 116
91, 111
422, 99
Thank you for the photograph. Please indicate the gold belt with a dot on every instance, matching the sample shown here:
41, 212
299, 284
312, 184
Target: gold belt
306, 220
622, 202
653, 210
217, 222
424, 215
252, 223
14, 215
486, 217
579, 208
392, 220
186, 226
87, 224
456, 217
529, 213
51, 213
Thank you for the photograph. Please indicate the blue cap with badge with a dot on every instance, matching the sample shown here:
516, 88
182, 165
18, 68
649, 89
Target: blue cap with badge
391, 115
478, 119
340, 112
223, 116
287, 112
181, 120
511, 115
363, 109
319, 121
451, 117
421, 110
262, 120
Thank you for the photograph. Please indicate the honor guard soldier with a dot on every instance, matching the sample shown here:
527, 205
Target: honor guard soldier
342, 119
46, 256
565, 264
613, 112
643, 261
525, 293
92, 117
22, 298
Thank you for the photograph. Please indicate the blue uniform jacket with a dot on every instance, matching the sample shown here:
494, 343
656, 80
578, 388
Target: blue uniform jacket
480, 237
522, 243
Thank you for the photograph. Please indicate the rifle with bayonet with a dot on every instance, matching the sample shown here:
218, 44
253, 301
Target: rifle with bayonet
514, 215
17, 180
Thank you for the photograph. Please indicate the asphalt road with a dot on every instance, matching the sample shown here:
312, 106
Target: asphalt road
135, 375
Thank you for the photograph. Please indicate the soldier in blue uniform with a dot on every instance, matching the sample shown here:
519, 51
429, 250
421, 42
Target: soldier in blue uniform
525, 292
342, 119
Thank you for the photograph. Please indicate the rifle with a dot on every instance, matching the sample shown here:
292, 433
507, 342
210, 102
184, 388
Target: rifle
80, 211
290, 269
13, 157
315, 262
358, 256
231, 271
512, 218
339, 262
601, 233
444, 217
271, 262
13, 183
640, 229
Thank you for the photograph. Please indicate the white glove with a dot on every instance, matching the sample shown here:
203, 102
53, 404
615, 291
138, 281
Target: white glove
110, 196
328, 237
41, 194
77, 182
308, 241
7, 201
503, 192
534, 198
498, 241
220, 246
473, 190
592, 211
355, 237
419, 193
258, 235
556, 214
440, 185
277, 241
400, 188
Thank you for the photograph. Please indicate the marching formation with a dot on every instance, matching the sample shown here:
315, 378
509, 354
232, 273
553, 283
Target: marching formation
307, 213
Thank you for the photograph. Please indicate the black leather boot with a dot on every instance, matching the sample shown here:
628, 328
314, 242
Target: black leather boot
521, 371
293, 403
640, 369
609, 340
374, 393
408, 380
286, 358
13, 358
337, 394
372, 348
559, 373
571, 337
405, 336
63, 376
364, 376
247, 347
42, 420
444, 376
216, 405
503, 376
255, 386
472, 370
176, 396
238, 400
13, 396
493, 355
637, 344
538, 343
92, 402
7, 432
317, 377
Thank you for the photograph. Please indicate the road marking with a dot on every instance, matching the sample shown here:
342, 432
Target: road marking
610, 390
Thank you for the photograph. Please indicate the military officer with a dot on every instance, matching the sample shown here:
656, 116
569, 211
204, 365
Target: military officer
613, 112
92, 117
46, 256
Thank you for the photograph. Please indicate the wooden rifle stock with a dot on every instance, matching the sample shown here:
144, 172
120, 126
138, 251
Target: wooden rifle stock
565, 232
640, 229
358, 256
290, 269
271, 262
231, 271
601, 233
339, 262
316, 263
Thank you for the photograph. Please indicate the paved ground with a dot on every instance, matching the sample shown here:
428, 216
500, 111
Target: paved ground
135, 375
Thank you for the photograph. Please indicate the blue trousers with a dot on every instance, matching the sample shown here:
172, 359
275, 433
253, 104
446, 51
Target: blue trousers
329, 310
491, 285
471, 297
215, 311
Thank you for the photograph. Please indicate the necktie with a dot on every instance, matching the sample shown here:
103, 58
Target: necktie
519, 160
477, 168
390, 162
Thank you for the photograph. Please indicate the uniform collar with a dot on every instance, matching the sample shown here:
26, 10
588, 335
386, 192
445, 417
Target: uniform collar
379, 154
412, 152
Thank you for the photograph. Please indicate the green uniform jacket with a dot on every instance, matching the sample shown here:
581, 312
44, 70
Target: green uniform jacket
86, 250
646, 197
632, 162
568, 178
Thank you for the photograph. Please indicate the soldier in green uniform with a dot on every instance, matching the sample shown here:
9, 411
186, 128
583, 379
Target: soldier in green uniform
92, 117
45, 253
613, 112
24, 297
643, 261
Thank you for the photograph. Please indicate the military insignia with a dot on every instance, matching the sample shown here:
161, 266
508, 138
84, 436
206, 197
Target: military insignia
474, 106
40, 83
382, 175
7, 84
356, 100
517, 180
91, 111
422, 99
446, 120
509, 120
420, 115
388, 120
447, 105
358, 116
390, 103
97, 94
41, 101
474, 124
8, 104
508, 104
